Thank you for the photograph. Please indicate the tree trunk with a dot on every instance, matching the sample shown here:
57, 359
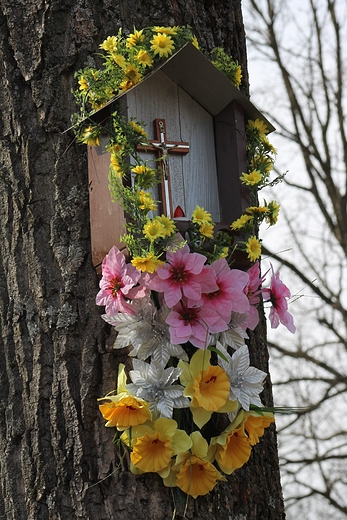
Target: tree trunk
56, 354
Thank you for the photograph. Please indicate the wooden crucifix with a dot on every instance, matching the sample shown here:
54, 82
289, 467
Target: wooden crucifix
164, 148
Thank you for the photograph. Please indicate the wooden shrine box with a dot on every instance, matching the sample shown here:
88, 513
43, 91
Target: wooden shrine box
201, 107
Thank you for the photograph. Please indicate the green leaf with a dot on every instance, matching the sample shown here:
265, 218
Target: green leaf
218, 352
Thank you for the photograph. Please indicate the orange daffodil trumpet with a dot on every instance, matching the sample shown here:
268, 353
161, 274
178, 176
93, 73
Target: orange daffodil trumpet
154, 445
177, 303
193, 471
232, 448
207, 386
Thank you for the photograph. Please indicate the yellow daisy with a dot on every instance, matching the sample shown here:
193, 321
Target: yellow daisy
120, 60
269, 146
153, 230
253, 248
135, 38
251, 179
262, 163
274, 209
146, 203
257, 127
257, 210
143, 170
83, 83
200, 216
163, 45
144, 58
168, 225
206, 230
167, 30
195, 42
91, 136
148, 263
238, 76
132, 73
114, 163
110, 44
138, 128
241, 222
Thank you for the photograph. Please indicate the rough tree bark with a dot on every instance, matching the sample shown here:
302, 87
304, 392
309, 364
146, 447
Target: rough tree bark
55, 356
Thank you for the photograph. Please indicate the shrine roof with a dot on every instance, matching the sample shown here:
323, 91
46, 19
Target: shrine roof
197, 76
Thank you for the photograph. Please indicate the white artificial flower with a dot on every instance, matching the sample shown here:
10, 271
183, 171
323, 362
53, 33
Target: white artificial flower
154, 384
246, 382
235, 335
146, 332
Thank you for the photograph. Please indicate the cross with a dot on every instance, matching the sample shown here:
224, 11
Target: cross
163, 148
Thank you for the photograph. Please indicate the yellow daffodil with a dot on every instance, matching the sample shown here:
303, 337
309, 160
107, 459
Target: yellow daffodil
200, 216
241, 222
154, 230
125, 412
197, 477
156, 443
122, 409
193, 471
162, 44
251, 179
255, 425
148, 263
232, 449
152, 453
253, 248
207, 386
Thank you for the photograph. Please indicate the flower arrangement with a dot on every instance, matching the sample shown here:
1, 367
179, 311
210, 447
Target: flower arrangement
190, 408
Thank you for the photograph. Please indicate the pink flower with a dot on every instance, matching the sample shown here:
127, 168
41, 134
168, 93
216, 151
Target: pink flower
117, 282
230, 294
193, 324
253, 290
184, 274
277, 295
